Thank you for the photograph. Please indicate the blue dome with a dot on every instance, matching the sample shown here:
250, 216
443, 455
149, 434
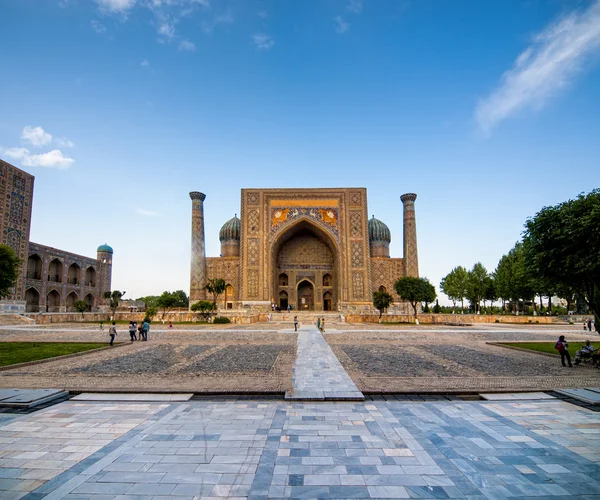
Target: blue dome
378, 231
105, 248
230, 230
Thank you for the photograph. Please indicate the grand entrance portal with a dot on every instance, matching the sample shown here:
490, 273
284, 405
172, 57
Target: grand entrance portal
305, 269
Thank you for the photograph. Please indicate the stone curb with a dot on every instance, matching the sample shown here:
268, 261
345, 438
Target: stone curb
522, 349
64, 356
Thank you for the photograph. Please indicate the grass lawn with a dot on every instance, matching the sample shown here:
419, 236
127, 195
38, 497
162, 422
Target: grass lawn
20, 352
546, 346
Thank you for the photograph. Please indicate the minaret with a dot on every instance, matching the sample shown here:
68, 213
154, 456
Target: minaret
411, 256
104, 275
198, 270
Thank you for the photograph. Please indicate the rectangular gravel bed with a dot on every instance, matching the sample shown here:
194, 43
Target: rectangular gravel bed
154, 360
239, 358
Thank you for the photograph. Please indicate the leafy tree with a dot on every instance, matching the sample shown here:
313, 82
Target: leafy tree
490, 291
10, 266
215, 286
150, 300
381, 301
204, 307
181, 298
81, 306
502, 279
437, 309
151, 312
115, 300
563, 246
166, 302
455, 285
478, 279
414, 291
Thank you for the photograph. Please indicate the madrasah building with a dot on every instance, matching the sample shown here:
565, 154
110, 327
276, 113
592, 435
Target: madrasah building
311, 249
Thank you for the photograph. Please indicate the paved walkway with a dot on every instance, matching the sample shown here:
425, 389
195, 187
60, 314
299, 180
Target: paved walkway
317, 372
258, 450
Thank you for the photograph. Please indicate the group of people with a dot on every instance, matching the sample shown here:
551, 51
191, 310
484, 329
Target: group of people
276, 308
587, 352
587, 324
134, 330
321, 324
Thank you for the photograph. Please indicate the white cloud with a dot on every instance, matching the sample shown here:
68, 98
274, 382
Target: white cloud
97, 26
51, 159
146, 213
35, 136
116, 5
354, 6
63, 142
550, 63
219, 19
262, 41
167, 30
341, 26
145, 62
187, 46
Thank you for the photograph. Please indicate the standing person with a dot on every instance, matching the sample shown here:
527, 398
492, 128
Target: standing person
562, 346
295, 323
112, 331
319, 323
589, 324
101, 326
170, 324
140, 332
322, 325
132, 331
289, 308
145, 329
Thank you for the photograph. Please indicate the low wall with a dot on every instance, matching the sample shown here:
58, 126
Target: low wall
451, 319
12, 306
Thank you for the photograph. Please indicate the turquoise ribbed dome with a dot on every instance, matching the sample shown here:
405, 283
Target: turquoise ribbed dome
378, 231
230, 230
105, 248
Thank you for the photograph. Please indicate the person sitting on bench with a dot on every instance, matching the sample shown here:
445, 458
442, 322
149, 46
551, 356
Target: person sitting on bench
585, 352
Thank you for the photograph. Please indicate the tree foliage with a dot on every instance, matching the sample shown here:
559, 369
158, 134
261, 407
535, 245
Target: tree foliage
456, 285
81, 306
478, 282
415, 290
166, 302
115, 299
562, 245
10, 265
204, 307
381, 301
215, 286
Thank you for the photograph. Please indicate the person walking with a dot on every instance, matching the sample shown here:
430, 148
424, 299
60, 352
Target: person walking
295, 323
562, 346
101, 326
140, 330
319, 323
145, 329
589, 324
112, 331
322, 325
132, 331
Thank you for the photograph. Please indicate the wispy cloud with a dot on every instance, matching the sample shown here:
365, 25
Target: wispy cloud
145, 213
116, 5
36, 136
145, 62
166, 30
219, 19
187, 46
552, 61
63, 142
341, 26
263, 41
354, 6
51, 159
97, 26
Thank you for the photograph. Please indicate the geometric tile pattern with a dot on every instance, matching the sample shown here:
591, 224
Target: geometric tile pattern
259, 450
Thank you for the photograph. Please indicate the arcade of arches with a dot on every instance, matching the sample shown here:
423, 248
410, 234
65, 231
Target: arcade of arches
305, 270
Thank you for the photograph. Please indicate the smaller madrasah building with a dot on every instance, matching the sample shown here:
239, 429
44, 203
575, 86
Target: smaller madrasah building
51, 280
311, 249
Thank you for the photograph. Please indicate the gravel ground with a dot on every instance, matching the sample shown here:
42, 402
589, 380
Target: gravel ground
236, 359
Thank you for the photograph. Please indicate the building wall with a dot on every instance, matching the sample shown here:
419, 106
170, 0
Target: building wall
46, 281
16, 197
227, 268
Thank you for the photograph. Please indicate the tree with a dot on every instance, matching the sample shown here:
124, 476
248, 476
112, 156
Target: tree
166, 302
115, 300
563, 246
381, 301
455, 285
81, 306
478, 278
490, 291
10, 266
181, 299
215, 286
150, 300
414, 291
151, 312
204, 307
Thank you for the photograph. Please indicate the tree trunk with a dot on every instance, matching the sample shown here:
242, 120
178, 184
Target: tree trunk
550, 304
414, 306
541, 304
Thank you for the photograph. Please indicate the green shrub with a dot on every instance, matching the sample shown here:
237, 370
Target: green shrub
497, 321
221, 320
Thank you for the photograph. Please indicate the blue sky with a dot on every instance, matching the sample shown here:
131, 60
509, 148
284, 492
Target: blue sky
487, 110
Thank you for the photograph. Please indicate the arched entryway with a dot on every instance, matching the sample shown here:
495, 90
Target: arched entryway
229, 297
305, 265
306, 296
70, 302
55, 271
53, 301
73, 274
327, 301
34, 267
89, 300
32, 300
283, 300
90, 276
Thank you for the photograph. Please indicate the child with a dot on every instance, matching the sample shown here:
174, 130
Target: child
562, 346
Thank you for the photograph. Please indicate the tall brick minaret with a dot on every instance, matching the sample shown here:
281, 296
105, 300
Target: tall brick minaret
411, 256
198, 267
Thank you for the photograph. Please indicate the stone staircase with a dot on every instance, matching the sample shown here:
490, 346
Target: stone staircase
307, 317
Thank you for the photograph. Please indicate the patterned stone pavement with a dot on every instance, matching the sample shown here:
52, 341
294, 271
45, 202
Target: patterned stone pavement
259, 450
317, 372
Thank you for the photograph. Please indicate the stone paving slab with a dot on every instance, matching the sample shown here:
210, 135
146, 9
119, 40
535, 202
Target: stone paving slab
335, 450
28, 398
317, 373
585, 395
89, 396
517, 396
